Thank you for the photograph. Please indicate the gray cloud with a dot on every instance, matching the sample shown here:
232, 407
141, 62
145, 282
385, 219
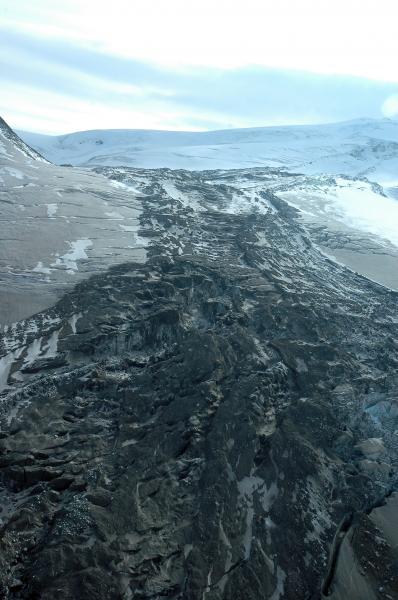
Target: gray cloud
207, 98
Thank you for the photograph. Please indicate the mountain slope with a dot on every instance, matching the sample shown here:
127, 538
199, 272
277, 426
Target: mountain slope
210, 417
12, 145
58, 225
217, 422
339, 210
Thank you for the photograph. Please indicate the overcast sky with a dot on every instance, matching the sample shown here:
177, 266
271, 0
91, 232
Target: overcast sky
71, 65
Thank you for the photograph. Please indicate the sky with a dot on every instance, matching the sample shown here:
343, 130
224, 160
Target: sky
73, 65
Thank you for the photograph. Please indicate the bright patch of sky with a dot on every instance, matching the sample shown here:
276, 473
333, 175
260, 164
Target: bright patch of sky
190, 64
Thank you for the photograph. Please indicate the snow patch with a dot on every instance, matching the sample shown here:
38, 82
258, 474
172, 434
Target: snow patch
51, 210
50, 350
280, 584
73, 320
115, 215
77, 252
247, 486
5, 368
365, 209
40, 268
140, 241
32, 352
14, 172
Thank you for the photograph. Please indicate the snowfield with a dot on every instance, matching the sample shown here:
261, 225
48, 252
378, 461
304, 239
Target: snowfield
361, 148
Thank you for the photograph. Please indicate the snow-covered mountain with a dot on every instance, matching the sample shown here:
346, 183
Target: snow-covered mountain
360, 148
65, 223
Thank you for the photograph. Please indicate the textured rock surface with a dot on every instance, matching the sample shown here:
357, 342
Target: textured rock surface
218, 422
202, 437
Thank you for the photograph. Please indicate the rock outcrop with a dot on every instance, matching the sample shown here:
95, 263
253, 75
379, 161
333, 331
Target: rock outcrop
217, 422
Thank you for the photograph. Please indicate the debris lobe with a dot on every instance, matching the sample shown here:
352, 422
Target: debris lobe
199, 425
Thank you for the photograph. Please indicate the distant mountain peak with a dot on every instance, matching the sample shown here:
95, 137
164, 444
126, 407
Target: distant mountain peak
10, 135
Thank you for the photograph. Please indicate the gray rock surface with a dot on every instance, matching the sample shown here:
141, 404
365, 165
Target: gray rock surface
58, 226
195, 425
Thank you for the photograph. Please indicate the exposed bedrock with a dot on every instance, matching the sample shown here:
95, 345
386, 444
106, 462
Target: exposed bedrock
219, 422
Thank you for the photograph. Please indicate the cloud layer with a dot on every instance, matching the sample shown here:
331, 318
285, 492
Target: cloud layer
56, 82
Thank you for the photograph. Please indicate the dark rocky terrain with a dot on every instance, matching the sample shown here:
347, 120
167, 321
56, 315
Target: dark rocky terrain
219, 421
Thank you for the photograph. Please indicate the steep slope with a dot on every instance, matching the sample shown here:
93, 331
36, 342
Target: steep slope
218, 422
58, 225
13, 147
360, 148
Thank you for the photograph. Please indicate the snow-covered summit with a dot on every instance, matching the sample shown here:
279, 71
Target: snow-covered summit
360, 148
